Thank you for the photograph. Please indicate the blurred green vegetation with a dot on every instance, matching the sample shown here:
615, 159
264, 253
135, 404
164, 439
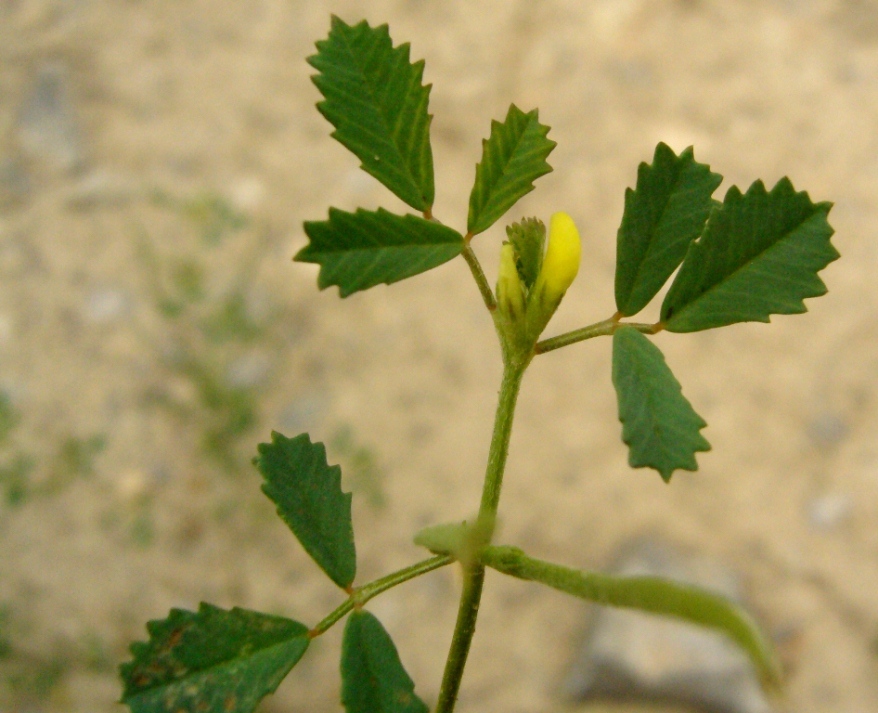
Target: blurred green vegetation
28, 677
74, 457
212, 324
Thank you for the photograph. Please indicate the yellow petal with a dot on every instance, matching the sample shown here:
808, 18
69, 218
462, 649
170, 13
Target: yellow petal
561, 262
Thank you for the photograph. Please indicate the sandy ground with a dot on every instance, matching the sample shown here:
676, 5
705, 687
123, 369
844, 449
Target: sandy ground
123, 516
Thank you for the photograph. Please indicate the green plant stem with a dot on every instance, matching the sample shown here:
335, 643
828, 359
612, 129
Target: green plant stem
363, 594
479, 275
474, 574
598, 329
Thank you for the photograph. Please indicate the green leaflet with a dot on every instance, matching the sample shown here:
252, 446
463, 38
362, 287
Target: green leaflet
650, 594
513, 157
663, 215
759, 255
359, 250
212, 661
658, 423
373, 679
375, 101
309, 499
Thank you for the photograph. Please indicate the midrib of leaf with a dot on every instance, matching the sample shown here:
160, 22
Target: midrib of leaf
753, 265
392, 128
504, 165
652, 254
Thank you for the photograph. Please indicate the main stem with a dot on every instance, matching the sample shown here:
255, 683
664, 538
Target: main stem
474, 573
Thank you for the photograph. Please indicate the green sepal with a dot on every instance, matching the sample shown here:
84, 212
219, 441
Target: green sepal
309, 498
373, 678
359, 250
656, 595
759, 255
376, 102
513, 157
662, 216
212, 661
659, 425
528, 239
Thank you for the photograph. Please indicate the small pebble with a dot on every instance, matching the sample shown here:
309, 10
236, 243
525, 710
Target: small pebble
302, 414
106, 305
829, 511
827, 429
249, 370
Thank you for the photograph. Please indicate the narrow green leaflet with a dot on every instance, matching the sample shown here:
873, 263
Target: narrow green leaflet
658, 423
212, 661
359, 250
309, 499
512, 159
372, 677
662, 216
759, 255
650, 594
376, 102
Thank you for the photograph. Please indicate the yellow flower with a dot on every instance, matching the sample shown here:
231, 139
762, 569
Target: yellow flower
561, 262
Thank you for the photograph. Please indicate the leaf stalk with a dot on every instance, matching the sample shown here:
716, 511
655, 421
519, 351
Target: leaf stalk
479, 275
361, 595
598, 329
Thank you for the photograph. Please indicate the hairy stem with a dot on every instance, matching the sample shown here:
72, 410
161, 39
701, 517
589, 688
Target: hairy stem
474, 573
361, 595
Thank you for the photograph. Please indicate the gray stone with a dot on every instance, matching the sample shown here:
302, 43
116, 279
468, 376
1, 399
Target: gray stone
636, 656
47, 127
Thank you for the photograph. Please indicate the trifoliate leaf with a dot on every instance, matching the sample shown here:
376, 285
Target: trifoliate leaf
212, 661
656, 595
512, 159
378, 106
659, 425
309, 499
372, 677
528, 239
359, 250
759, 255
665, 213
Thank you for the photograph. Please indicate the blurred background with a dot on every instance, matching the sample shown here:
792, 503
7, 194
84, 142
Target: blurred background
157, 159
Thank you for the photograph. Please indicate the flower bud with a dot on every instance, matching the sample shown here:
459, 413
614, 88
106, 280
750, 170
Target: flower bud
510, 291
559, 268
561, 262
